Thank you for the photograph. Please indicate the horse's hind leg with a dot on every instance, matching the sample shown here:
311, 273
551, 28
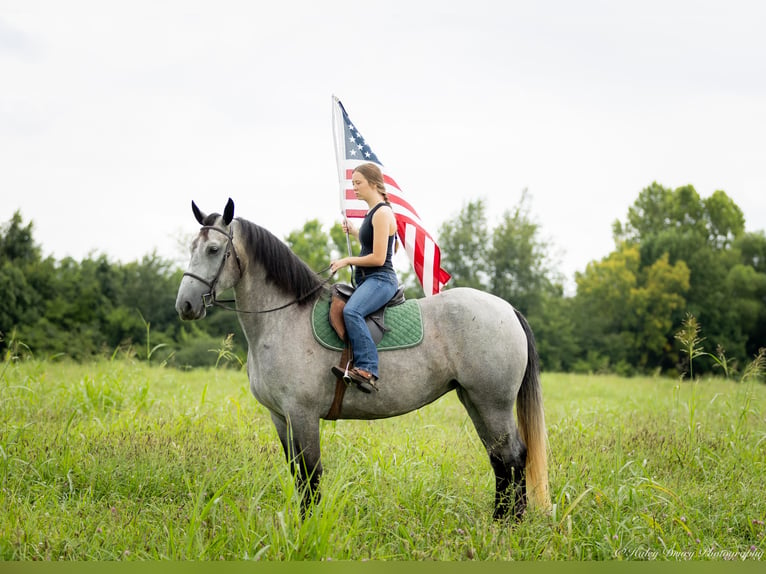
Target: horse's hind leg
301, 445
497, 430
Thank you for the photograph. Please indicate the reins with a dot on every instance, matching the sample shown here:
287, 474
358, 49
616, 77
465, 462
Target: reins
209, 299
220, 303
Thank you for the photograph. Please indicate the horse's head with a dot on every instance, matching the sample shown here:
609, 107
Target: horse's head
213, 267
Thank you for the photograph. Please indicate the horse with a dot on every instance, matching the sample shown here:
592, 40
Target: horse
473, 343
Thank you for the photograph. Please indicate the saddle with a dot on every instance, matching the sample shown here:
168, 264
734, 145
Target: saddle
341, 292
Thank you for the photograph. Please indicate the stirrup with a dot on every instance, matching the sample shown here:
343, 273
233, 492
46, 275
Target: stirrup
346, 377
342, 375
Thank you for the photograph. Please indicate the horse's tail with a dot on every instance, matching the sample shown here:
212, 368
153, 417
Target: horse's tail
531, 418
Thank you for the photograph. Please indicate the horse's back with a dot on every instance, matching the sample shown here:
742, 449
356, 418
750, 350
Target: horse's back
479, 333
472, 310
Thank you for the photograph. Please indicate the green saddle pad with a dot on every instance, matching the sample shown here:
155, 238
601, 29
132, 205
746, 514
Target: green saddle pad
404, 323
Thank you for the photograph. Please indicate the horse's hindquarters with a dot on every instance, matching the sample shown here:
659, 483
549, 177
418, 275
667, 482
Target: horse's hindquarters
476, 339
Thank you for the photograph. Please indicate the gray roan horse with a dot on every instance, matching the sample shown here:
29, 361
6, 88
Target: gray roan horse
474, 343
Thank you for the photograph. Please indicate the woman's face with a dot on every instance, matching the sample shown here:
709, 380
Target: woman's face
361, 186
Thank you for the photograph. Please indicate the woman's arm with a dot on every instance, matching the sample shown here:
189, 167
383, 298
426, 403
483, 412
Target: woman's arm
384, 225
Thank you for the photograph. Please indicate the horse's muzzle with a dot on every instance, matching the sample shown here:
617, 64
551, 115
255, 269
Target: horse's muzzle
188, 310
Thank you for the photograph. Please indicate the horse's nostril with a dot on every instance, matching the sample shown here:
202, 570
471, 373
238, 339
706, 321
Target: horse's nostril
187, 306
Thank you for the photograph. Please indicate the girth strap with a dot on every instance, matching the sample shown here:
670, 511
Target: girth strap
340, 388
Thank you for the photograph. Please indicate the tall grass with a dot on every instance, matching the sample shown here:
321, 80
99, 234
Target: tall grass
124, 460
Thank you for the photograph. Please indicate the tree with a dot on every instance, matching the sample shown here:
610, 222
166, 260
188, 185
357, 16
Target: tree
752, 249
725, 220
603, 294
624, 314
464, 243
17, 298
19, 278
16, 242
312, 245
656, 301
705, 234
521, 270
749, 287
75, 313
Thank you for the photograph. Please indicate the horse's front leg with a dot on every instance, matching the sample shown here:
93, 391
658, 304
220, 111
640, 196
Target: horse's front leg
300, 441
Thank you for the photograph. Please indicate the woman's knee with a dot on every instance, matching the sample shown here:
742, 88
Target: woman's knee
351, 312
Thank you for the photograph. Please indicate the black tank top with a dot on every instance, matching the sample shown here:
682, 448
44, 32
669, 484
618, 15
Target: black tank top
366, 236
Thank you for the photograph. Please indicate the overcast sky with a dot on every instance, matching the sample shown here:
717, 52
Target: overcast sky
115, 115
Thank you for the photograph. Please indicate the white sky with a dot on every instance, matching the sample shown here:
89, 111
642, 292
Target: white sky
115, 115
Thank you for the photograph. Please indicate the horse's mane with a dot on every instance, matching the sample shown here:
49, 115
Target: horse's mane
283, 267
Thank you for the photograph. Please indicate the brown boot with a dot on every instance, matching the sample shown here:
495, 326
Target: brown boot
364, 380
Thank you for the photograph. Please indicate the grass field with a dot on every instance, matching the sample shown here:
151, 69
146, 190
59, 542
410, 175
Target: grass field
125, 461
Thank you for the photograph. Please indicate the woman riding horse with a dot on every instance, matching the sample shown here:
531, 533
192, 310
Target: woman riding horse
376, 281
474, 343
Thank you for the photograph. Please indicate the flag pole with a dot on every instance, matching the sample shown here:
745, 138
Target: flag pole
340, 157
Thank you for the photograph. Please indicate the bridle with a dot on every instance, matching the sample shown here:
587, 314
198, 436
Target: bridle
209, 298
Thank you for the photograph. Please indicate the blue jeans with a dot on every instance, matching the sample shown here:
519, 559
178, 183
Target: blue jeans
371, 294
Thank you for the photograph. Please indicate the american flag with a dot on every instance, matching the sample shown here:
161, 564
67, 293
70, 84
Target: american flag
353, 150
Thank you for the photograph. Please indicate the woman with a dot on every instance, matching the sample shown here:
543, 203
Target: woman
376, 281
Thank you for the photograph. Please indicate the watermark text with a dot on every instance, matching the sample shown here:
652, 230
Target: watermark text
645, 553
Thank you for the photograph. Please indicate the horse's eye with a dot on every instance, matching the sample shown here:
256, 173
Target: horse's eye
213, 250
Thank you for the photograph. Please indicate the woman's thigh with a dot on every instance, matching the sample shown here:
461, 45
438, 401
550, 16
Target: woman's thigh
371, 295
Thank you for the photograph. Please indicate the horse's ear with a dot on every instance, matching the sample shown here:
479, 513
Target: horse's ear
198, 215
228, 212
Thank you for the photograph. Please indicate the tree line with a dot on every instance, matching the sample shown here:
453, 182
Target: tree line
96, 307
676, 256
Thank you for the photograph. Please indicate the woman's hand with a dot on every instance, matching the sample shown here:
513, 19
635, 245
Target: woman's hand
349, 228
339, 264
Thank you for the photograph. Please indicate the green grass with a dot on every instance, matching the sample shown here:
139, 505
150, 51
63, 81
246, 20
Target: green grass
124, 461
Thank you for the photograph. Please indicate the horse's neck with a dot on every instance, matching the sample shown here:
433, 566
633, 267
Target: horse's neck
253, 295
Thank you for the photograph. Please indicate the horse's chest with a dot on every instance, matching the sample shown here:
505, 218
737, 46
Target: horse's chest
260, 390
262, 395
284, 367
261, 374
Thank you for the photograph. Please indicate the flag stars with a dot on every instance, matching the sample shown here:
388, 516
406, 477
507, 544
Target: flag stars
357, 147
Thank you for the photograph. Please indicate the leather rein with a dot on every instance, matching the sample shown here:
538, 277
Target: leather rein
209, 299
